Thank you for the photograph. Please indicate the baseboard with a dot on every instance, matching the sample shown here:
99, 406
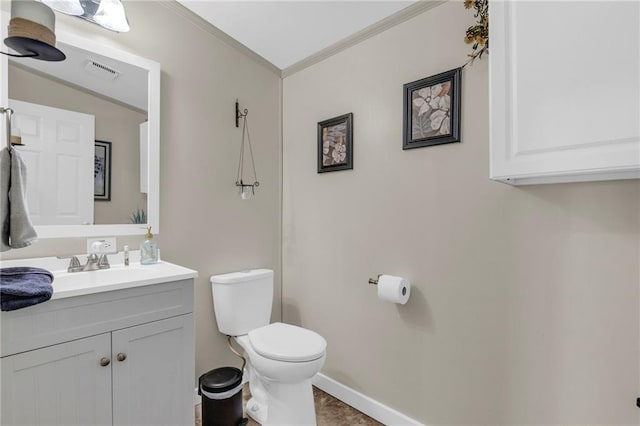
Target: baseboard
372, 408
363, 403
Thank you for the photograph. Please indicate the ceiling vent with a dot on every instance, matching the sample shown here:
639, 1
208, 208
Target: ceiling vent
100, 70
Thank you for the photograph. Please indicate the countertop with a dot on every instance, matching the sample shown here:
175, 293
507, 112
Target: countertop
118, 277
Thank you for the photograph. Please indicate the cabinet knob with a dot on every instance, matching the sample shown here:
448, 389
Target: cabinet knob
104, 361
121, 357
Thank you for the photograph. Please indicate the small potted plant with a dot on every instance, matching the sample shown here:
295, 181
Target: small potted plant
139, 216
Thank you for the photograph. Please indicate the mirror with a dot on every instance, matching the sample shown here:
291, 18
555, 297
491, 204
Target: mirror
89, 128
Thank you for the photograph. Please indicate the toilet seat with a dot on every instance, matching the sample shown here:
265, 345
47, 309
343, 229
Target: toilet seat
285, 342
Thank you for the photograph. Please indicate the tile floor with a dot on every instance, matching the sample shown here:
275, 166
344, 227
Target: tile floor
329, 412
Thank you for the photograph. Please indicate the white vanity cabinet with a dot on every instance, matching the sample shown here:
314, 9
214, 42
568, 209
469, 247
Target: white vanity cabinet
122, 357
58, 385
564, 91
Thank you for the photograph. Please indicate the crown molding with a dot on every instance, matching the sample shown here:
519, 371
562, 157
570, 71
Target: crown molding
206, 26
364, 34
399, 17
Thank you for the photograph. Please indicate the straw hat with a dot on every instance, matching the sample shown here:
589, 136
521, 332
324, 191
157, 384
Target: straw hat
32, 31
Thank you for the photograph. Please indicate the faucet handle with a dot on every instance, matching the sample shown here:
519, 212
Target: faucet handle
103, 262
74, 263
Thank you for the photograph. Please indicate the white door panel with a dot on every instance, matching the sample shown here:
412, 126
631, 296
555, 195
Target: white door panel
58, 151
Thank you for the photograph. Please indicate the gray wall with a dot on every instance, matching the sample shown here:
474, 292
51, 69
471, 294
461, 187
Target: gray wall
524, 306
115, 123
525, 300
204, 224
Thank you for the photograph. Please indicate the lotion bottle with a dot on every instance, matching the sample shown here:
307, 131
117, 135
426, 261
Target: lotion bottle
148, 249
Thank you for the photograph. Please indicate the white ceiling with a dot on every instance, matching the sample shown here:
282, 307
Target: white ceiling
286, 32
282, 32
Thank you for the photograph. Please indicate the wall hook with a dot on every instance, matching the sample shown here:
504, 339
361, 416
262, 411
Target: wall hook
240, 114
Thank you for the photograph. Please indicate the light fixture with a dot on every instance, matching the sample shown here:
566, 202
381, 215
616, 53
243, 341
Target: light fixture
108, 14
32, 31
246, 190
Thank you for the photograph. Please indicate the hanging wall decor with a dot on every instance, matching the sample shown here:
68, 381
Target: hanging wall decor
246, 189
102, 171
432, 110
335, 144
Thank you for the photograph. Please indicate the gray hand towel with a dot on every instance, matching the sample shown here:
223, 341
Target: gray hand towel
5, 176
20, 229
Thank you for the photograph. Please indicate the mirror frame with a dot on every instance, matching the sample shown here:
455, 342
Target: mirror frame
153, 115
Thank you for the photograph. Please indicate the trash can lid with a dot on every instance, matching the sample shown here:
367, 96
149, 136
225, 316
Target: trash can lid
221, 379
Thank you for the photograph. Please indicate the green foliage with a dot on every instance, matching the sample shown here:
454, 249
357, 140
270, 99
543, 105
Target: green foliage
139, 216
478, 34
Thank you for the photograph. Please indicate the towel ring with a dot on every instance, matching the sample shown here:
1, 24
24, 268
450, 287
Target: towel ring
8, 112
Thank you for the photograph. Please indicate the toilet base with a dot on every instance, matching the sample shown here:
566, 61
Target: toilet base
287, 404
280, 404
257, 411
285, 401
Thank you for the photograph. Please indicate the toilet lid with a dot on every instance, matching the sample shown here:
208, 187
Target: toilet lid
284, 342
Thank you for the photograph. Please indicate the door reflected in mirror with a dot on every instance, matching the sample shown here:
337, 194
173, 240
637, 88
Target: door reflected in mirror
61, 110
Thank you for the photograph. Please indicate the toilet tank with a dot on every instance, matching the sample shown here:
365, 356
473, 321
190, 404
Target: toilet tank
242, 300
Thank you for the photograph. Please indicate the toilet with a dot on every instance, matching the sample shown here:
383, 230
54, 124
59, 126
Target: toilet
281, 358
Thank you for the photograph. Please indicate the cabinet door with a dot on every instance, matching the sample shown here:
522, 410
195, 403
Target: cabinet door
565, 90
62, 385
153, 373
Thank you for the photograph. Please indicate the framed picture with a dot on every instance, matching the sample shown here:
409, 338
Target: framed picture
432, 110
335, 144
102, 171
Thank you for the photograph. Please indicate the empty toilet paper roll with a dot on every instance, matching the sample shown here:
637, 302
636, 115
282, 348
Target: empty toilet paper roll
393, 289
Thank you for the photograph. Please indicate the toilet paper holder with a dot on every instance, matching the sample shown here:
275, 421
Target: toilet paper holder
392, 288
374, 282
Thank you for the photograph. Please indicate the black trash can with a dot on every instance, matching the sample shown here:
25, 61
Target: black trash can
221, 391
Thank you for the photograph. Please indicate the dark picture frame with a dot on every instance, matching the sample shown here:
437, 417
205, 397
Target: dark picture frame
431, 114
102, 171
335, 144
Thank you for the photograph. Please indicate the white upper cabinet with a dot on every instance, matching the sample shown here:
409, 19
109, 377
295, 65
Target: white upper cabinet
564, 91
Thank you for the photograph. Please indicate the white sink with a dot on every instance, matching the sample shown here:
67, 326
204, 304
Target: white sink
118, 277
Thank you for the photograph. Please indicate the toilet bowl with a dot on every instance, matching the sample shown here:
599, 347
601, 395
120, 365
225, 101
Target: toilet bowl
285, 353
281, 361
281, 358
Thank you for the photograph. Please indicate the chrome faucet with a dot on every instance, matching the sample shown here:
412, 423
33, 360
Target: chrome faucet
94, 262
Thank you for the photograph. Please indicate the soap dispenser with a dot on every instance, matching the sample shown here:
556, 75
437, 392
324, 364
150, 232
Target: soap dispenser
148, 249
